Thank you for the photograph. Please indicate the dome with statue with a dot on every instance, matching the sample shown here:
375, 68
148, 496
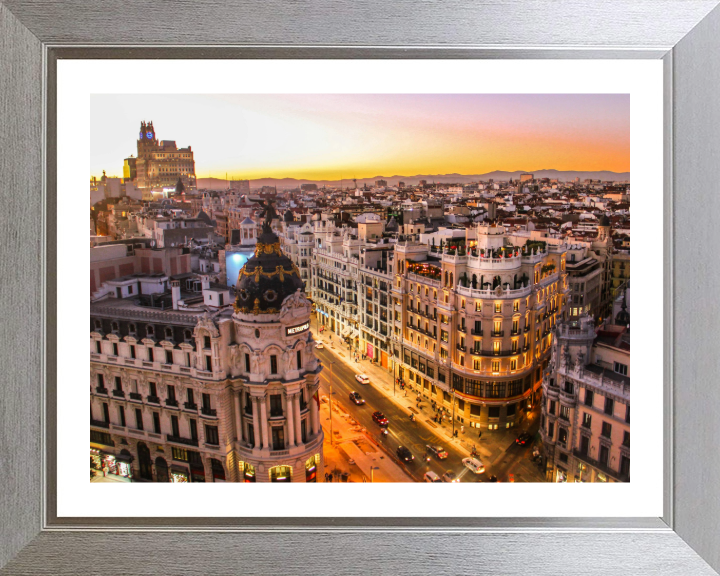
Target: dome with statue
269, 276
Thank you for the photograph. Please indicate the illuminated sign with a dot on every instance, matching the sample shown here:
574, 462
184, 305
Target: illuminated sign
292, 330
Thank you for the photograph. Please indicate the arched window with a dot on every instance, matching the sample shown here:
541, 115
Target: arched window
218, 471
115, 327
281, 474
188, 335
474, 281
168, 333
132, 328
150, 331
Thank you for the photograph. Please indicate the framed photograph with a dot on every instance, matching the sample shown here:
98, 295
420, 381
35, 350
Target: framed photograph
387, 246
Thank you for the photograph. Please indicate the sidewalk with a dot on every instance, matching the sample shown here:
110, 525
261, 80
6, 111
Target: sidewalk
491, 447
354, 452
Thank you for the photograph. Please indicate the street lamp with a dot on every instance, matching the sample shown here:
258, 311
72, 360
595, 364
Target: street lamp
372, 469
453, 412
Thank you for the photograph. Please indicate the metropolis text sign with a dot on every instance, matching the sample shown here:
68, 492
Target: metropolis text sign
292, 330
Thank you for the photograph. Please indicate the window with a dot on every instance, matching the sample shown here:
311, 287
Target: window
589, 394
150, 331
151, 357
626, 439
562, 436
168, 333
247, 362
138, 419
516, 306
498, 307
206, 401
493, 411
298, 356
115, 349
132, 351
206, 342
168, 357
609, 406
276, 408
604, 454
193, 429
478, 306
564, 412
211, 435
118, 383
587, 420
624, 465
273, 364
443, 352
208, 364
584, 445
621, 368
171, 394
278, 438
551, 429
476, 364
606, 429
98, 349
121, 412
513, 364
627, 413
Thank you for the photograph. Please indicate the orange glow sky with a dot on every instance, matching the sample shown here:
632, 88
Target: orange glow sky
361, 136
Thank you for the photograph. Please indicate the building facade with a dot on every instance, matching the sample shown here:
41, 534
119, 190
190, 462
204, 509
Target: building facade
585, 423
196, 391
161, 163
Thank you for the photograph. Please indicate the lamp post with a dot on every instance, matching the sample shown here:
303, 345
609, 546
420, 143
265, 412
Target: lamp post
453, 412
372, 469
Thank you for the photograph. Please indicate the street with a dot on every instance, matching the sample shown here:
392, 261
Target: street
507, 459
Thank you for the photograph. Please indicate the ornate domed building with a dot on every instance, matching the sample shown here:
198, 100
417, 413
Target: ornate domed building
281, 436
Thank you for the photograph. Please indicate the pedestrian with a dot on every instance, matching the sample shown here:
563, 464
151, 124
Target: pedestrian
462, 429
330, 477
364, 479
479, 434
326, 476
105, 470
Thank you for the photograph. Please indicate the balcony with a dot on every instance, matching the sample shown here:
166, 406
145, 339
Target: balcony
526, 329
461, 348
602, 467
135, 396
181, 440
213, 412
476, 332
170, 402
101, 390
515, 332
118, 393
100, 424
153, 399
462, 329
497, 333
190, 406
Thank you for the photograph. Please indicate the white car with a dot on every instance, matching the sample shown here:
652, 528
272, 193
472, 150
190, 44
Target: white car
474, 465
319, 345
362, 378
431, 477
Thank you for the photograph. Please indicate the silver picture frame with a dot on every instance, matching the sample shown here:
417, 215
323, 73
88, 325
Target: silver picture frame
685, 34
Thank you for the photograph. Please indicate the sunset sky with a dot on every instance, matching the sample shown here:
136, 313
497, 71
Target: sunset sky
359, 136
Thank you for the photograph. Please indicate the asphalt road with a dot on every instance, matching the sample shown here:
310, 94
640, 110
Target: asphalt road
402, 431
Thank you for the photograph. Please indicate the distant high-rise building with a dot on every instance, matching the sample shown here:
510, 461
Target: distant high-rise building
526, 177
307, 187
380, 183
161, 163
239, 185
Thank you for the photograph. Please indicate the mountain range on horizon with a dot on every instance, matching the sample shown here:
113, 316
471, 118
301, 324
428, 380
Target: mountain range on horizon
499, 175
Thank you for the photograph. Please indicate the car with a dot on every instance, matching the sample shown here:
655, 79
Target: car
431, 477
523, 438
474, 465
379, 417
362, 378
450, 476
437, 451
356, 398
319, 345
404, 454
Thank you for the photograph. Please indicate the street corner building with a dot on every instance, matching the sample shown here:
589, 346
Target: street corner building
187, 388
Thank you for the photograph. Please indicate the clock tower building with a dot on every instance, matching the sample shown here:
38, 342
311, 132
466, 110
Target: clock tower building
161, 164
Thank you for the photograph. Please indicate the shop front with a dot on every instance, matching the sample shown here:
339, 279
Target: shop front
179, 474
247, 471
281, 474
311, 467
370, 351
384, 360
105, 462
218, 471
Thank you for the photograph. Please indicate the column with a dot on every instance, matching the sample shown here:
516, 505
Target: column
314, 417
298, 430
264, 423
256, 422
238, 417
289, 403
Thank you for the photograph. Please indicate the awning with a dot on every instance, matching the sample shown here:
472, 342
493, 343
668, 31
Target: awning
124, 458
346, 332
355, 334
179, 469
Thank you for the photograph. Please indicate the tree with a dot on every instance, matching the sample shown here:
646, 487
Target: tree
179, 187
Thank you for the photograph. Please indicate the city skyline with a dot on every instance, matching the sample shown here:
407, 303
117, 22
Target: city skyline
361, 136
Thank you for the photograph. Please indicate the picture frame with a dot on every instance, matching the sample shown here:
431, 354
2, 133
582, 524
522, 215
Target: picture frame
34, 36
